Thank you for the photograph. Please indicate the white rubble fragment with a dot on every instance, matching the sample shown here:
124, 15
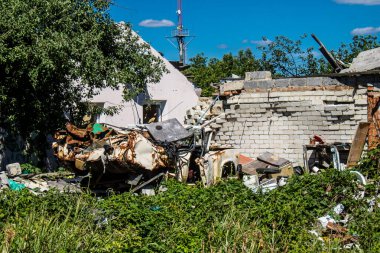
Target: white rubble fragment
13, 169
324, 220
339, 209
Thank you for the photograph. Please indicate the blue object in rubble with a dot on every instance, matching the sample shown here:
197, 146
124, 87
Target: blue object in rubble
13, 185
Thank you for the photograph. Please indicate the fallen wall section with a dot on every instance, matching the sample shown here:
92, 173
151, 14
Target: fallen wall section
279, 116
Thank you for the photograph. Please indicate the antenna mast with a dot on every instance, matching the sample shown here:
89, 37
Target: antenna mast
180, 35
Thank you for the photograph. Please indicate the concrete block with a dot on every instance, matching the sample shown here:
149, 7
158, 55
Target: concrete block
215, 125
344, 127
237, 85
298, 81
342, 107
314, 118
314, 81
334, 127
258, 75
317, 123
13, 169
249, 85
336, 113
361, 102
280, 83
349, 112
292, 109
327, 81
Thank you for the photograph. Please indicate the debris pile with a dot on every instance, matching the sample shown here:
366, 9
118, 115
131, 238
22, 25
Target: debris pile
319, 155
267, 172
14, 179
101, 150
205, 110
333, 227
142, 154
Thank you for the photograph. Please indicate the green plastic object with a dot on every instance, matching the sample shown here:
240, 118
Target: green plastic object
15, 186
97, 128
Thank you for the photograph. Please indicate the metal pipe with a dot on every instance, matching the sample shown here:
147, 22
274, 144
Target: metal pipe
213, 103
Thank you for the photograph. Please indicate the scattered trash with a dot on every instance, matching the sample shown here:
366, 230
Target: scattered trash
148, 191
324, 220
361, 179
13, 169
269, 185
3, 178
267, 172
155, 208
15, 186
251, 181
319, 155
331, 229
37, 183
372, 204
137, 154
282, 181
162, 188
339, 209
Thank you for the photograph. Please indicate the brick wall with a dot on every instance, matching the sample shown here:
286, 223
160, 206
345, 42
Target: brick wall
281, 115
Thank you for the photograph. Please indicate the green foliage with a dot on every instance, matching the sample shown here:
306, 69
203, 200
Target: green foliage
227, 217
286, 57
30, 169
204, 72
75, 228
56, 54
370, 164
283, 57
347, 52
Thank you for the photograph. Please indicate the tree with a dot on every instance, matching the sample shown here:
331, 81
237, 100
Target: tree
204, 72
283, 57
286, 57
347, 52
56, 54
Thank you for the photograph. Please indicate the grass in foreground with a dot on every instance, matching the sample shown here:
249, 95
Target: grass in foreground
225, 218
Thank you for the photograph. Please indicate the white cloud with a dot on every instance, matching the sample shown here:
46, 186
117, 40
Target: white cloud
316, 53
245, 41
363, 2
222, 46
156, 23
365, 30
261, 42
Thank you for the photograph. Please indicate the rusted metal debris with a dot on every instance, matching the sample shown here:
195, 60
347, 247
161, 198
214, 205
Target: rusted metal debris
141, 153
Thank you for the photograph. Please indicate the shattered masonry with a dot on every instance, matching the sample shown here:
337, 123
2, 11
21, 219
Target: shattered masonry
281, 115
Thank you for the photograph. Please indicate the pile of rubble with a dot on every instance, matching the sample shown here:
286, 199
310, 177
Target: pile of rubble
206, 109
14, 179
333, 227
142, 154
267, 172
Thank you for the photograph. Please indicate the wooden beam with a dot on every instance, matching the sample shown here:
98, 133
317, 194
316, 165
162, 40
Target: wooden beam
358, 144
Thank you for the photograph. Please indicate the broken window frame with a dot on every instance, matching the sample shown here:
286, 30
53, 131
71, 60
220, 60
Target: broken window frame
160, 108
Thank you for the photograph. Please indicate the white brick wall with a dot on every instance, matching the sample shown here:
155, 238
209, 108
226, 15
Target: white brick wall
281, 122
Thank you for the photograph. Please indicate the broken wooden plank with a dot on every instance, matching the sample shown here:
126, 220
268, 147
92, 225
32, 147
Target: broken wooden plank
273, 159
358, 144
250, 168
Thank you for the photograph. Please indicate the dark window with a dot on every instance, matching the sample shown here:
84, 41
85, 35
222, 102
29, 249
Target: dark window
151, 113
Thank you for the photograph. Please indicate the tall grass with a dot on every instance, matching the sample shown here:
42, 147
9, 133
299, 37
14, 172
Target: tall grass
77, 230
227, 217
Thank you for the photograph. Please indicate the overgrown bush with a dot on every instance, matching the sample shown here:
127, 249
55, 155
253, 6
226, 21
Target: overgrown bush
225, 218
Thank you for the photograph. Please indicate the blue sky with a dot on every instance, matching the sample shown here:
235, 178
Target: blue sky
222, 26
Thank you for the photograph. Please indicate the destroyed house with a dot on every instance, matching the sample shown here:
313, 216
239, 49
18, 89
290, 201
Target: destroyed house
167, 99
282, 116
